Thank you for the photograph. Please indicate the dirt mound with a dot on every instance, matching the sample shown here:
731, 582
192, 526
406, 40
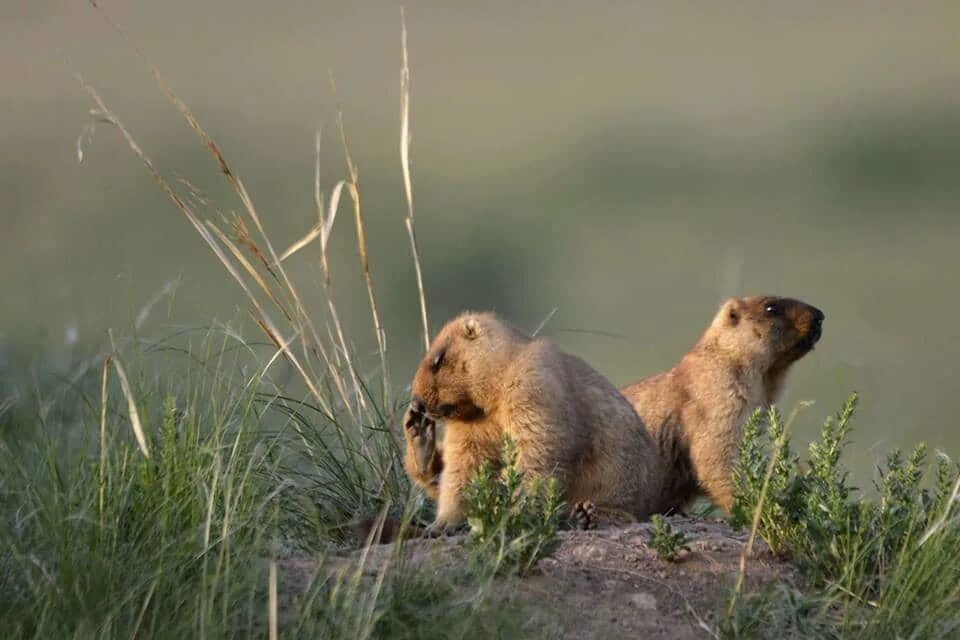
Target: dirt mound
603, 583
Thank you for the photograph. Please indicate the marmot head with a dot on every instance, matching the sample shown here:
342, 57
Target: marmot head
460, 377
767, 331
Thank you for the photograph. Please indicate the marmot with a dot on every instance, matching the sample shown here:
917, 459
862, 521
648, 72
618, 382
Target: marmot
696, 410
485, 379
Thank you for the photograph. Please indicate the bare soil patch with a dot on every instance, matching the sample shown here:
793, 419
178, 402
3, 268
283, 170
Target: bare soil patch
602, 583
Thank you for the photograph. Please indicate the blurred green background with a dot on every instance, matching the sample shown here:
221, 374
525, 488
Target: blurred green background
629, 164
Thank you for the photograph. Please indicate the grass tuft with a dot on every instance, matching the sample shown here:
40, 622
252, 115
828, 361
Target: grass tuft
665, 541
161, 502
514, 516
884, 566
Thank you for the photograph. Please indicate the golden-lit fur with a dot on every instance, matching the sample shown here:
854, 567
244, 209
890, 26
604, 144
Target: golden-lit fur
424, 456
485, 379
696, 410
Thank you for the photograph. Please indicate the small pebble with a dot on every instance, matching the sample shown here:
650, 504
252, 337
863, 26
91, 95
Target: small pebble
643, 600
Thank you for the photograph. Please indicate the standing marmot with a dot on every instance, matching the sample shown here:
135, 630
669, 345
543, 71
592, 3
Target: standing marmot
696, 410
484, 378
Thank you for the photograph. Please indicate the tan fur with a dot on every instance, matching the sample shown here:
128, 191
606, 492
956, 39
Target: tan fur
696, 410
485, 379
424, 455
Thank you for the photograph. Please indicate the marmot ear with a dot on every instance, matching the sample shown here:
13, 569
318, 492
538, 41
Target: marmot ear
732, 312
471, 328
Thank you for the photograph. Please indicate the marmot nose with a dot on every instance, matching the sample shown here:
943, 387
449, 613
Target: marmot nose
817, 316
816, 325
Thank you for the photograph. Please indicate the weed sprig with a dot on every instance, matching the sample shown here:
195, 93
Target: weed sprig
885, 566
514, 517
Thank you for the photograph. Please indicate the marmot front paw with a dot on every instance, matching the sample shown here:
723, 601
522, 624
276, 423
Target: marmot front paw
422, 434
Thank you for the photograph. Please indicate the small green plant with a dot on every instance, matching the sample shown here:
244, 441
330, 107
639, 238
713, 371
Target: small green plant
880, 568
813, 515
666, 542
513, 518
766, 459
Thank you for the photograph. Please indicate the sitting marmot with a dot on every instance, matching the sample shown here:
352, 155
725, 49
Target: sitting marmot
696, 410
484, 379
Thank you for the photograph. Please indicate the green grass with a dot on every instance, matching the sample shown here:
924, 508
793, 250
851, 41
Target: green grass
102, 541
881, 566
513, 517
665, 541
111, 539
157, 489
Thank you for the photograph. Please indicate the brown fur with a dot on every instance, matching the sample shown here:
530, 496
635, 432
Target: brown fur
424, 456
696, 410
485, 379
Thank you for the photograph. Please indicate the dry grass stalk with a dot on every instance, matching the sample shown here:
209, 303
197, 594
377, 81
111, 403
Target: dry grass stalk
353, 186
302, 322
941, 522
301, 344
272, 610
248, 267
135, 423
103, 435
405, 165
266, 321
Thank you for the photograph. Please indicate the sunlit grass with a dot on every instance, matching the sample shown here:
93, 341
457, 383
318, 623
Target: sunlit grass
880, 568
196, 470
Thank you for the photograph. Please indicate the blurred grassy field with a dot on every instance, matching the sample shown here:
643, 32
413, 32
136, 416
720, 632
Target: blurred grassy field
627, 165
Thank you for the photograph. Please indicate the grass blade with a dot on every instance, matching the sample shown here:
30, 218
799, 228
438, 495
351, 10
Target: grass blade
138, 431
405, 165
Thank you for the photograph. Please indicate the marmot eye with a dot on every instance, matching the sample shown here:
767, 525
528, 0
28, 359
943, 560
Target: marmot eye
772, 309
438, 360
